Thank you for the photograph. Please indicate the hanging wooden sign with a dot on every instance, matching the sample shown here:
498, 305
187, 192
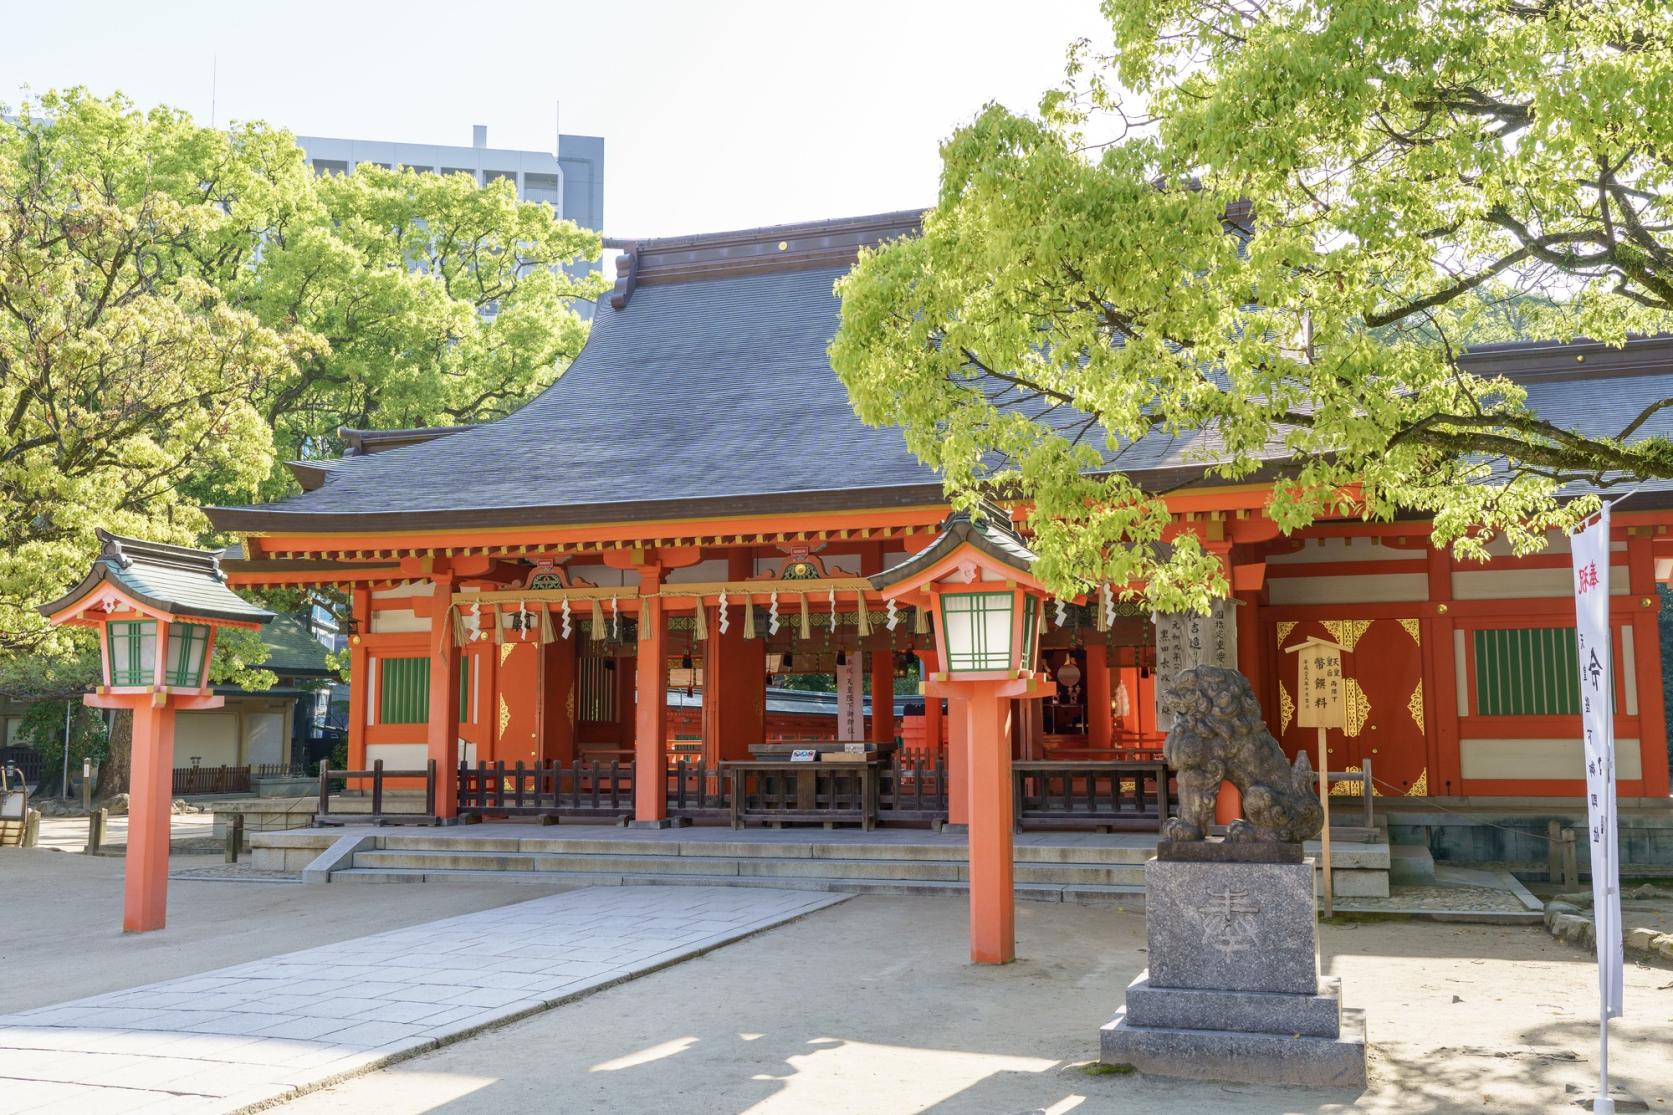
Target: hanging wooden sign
1319, 698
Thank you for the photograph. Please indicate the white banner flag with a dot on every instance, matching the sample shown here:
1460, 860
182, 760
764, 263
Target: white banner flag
1597, 723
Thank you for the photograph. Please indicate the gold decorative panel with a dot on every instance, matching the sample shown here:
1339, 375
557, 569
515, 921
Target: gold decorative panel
505, 714
505, 651
1414, 628
1284, 628
1346, 632
1286, 709
1420, 788
1415, 705
1351, 788
1357, 708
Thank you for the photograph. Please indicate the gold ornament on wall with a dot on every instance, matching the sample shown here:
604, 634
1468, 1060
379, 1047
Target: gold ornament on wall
505, 714
505, 651
1414, 628
1415, 705
1420, 788
1286, 709
1346, 632
1356, 708
1284, 629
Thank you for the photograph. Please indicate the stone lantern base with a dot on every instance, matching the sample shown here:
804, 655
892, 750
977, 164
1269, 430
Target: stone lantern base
1233, 991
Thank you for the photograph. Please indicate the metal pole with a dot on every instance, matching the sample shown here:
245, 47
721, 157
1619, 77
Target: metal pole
64, 790
1604, 1104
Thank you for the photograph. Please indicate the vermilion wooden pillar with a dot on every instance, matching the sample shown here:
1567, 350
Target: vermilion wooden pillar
441, 733
1097, 696
993, 937
650, 736
958, 759
734, 681
1645, 632
360, 681
882, 695
151, 804
927, 665
560, 667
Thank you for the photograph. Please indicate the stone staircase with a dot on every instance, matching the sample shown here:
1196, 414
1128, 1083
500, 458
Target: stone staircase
1085, 873
1050, 867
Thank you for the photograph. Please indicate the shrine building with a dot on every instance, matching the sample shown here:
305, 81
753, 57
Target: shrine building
691, 512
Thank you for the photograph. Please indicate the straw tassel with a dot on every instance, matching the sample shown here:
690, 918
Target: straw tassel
546, 633
865, 614
598, 621
499, 628
807, 624
460, 635
749, 618
920, 621
702, 630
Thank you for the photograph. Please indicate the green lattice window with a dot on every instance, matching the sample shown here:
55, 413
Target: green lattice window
1527, 671
404, 691
977, 626
133, 651
187, 645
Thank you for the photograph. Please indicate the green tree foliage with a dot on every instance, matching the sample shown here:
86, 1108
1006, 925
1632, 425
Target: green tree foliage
182, 308
1271, 224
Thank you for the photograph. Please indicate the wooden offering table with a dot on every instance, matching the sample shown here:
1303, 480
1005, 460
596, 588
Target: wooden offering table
809, 781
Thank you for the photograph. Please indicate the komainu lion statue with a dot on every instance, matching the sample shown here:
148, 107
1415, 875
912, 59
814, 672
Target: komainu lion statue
1218, 734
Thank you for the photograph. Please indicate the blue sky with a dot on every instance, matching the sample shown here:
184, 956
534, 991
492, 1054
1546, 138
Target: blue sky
716, 115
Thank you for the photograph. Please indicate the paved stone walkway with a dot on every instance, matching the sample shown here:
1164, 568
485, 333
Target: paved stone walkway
245, 1035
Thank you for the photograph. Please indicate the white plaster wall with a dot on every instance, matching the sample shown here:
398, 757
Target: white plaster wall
394, 620
210, 735
1540, 759
264, 737
1383, 588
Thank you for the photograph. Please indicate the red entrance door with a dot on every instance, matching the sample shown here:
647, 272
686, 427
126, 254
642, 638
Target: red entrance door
1383, 675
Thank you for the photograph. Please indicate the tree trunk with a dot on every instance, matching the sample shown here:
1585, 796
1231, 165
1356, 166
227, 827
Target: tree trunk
113, 772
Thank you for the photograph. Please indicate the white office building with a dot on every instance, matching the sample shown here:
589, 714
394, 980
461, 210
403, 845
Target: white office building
571, 180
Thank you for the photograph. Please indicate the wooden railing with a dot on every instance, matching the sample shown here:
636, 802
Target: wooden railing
695, 790
581, 789
211, 780
1124, 794
913, 789
779, 792
378, 775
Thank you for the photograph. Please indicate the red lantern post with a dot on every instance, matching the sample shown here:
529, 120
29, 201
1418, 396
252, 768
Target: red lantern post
157, 608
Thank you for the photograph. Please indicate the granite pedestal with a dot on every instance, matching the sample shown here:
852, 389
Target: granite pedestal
1233, 989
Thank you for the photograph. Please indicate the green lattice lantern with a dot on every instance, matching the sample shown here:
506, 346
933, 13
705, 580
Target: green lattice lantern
975, 578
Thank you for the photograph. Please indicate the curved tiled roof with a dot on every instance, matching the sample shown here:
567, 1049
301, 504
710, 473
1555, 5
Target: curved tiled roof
705, 388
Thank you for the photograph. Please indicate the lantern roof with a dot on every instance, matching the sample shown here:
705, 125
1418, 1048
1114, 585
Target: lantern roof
164, 581
987, 530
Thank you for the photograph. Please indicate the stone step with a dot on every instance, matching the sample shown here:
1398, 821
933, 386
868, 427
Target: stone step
725, 866
1411, 865
431, 841
1129, 896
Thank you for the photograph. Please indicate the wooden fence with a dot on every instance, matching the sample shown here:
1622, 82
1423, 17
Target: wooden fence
377, 816
1120, 794
211, 780
581, 789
